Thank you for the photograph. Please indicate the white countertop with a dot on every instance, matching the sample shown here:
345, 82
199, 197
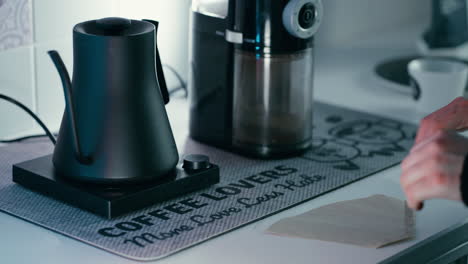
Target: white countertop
343, 77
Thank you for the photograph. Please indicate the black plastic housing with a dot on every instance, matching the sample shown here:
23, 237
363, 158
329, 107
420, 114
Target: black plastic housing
110, 201
210, 81
261, 23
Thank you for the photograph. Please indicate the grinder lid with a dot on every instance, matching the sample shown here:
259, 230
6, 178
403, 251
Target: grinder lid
114, 26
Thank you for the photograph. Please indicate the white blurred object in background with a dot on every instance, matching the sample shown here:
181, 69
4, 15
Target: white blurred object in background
437, 81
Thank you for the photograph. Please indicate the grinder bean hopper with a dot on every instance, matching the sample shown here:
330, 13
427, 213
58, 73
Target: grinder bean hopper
115, 152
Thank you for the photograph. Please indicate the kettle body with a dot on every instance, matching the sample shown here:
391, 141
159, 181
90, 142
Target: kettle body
251, 75
115, 114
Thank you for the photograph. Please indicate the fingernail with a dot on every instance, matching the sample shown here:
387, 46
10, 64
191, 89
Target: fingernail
420, 206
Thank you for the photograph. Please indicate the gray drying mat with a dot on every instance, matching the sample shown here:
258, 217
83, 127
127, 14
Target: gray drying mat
348, 146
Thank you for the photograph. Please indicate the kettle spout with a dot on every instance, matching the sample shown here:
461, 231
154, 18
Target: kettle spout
70, 108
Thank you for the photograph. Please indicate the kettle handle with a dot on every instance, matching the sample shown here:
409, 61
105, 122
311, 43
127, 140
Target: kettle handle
159, 68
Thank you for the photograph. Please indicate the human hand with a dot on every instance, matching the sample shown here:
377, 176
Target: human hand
453, 116
433, 168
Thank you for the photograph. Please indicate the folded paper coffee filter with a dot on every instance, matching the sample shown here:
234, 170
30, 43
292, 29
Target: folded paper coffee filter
373, 222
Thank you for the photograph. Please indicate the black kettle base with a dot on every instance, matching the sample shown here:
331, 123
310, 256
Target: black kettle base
38, 175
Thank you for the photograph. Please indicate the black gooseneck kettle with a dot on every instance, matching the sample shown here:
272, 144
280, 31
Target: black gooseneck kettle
115, 127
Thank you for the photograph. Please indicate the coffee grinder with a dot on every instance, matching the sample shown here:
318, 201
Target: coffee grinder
251, 75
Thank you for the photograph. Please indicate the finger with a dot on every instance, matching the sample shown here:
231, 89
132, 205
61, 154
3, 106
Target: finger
423, 151
449, 117
446, 141
417, 171
429, 165
413, 158
422, 190
424, 133
427, 128
427, 141
419, 207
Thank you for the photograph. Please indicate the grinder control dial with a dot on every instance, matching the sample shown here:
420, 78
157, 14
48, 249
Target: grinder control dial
302, 18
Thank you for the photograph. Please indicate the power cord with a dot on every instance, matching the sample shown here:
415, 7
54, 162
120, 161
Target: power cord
182, 83
31, 113
183, 86
14, 140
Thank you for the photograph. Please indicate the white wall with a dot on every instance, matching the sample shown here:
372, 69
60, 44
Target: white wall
348, 20
28, 28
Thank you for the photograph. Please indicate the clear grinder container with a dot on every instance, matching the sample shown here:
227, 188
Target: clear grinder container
252, 75
272, 106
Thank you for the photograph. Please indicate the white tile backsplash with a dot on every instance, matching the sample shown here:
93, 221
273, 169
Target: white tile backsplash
15, 24
54, 19
50, 98
17, 81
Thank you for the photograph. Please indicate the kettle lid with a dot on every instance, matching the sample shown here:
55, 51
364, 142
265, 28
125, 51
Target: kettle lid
114, 26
